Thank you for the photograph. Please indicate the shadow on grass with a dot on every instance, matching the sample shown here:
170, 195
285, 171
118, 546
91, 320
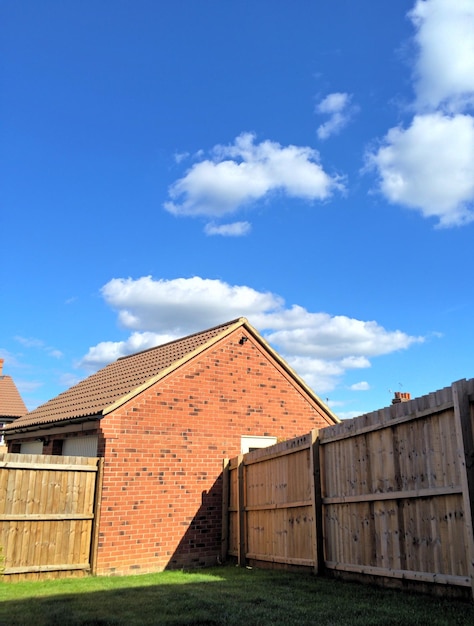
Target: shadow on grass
226, 595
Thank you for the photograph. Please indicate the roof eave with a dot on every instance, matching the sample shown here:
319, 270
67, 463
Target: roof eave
11, 429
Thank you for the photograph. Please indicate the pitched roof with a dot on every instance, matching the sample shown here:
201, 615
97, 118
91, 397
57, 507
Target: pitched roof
121, 380
11, 403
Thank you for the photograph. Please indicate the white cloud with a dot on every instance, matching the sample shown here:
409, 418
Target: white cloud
236, 229
27, 386
333, 103
9, 358
320, 335
337, 106
362, 386
245, 172
430, 167
347, 415
181, 156
444, 70
108, 351
320, 347
67, 379
321, 375
356, 362
30, 342
182, 305
57, 354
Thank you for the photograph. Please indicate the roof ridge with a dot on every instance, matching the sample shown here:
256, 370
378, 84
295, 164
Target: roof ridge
168, 343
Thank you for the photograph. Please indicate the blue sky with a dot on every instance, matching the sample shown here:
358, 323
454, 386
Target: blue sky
169, 166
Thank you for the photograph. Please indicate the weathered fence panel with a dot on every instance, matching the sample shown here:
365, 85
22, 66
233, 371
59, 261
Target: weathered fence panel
47, 506
392, 494
271, 504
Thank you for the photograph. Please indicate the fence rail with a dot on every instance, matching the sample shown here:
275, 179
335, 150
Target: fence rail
388, 494
47, 514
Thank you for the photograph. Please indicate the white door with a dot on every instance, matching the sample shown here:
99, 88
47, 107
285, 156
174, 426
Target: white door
31, 447
81, 446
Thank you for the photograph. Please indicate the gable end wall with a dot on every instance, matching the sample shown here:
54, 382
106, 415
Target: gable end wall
162, 493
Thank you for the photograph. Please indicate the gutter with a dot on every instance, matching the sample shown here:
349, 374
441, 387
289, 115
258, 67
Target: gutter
60, 424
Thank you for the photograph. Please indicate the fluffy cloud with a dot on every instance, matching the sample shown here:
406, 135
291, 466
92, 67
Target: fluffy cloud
320, 347
444, 70
236, 229
337, 106
429, 166
108, 351
245, 172
182, 305
362, 386
350, 341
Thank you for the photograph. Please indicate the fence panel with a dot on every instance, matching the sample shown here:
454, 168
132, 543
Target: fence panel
395, 499
389, 494
272, 506
46, 514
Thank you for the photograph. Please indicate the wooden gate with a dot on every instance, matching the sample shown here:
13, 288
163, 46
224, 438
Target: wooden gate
48, 509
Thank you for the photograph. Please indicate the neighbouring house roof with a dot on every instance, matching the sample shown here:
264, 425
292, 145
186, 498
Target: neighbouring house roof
123, 379
11, 403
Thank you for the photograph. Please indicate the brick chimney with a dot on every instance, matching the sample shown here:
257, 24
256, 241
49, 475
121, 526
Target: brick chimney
1, 366
401, 396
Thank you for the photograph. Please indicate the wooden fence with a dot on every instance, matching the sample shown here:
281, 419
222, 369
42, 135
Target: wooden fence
393, 495
271, 504
48, 506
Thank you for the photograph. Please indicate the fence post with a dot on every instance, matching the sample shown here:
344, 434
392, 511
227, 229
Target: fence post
464, 437
225, 511
318, 503
241, 510
96, 510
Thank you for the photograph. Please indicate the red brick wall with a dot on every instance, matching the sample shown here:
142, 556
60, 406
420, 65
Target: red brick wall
161, 504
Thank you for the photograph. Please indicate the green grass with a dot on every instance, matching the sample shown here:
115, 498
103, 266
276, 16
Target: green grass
225, 595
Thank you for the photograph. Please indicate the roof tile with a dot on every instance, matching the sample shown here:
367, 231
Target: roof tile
107, 386
11, 403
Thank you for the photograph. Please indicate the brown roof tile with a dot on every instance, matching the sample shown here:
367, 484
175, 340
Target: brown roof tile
11, 403
120, 379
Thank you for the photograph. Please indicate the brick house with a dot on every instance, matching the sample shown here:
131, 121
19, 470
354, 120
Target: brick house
164, 419
11, 403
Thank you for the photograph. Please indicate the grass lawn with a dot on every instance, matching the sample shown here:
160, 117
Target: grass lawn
221, 595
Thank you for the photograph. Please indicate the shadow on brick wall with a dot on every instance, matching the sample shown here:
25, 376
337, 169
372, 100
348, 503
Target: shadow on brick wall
201, 543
